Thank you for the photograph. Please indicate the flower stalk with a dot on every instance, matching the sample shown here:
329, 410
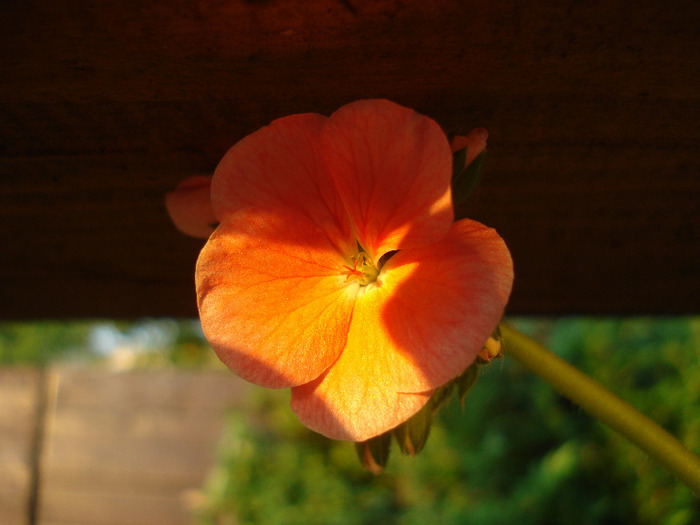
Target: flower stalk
605, 406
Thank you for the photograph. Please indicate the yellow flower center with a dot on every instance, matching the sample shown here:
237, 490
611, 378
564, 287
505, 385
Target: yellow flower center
363, 270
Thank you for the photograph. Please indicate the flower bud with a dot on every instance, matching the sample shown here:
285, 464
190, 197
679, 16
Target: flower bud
467, 162
492, 348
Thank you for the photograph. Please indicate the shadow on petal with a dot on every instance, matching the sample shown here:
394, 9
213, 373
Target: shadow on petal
448, 300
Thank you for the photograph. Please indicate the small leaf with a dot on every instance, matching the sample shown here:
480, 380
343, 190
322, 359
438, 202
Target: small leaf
374, 453
441, 395
497, 333
413, 434
464, 183
459, 159
466, 381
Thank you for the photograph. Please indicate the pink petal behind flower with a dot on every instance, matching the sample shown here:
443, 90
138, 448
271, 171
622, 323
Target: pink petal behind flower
189, 207
392, 168
281, 165
272, 302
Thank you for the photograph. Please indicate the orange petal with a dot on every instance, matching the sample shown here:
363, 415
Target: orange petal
422, 324
189, 207
392, 168
445, 301
363, 409
272, 301
474, 141
282, 165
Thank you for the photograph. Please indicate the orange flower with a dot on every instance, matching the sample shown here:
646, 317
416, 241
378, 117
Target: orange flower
337, 270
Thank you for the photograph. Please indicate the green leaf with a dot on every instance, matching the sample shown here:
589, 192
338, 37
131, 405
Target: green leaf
459, 160
464, 182
466, 381
441, 395
412, 434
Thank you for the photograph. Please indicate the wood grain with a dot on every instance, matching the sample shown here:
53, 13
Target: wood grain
132, 447
592, 107
19, 395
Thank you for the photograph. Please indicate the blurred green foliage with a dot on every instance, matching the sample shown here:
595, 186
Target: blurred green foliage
516, 453
38, 343
124, 344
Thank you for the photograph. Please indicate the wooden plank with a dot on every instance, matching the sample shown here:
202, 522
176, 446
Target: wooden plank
19, 394
112, 508
132, 447
593, 110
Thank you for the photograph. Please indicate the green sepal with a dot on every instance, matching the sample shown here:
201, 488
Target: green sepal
374, 453
441, 395
464, 181
459, 159
466, 381
413, 434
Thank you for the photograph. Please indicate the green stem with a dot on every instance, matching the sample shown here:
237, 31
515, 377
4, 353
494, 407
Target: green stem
605, 406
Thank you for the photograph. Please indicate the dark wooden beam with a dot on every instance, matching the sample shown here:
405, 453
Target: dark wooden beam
592, 107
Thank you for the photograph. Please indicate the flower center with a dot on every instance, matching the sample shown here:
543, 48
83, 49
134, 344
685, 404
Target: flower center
363, 270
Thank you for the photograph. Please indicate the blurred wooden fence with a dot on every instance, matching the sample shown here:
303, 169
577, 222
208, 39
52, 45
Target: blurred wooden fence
98, 447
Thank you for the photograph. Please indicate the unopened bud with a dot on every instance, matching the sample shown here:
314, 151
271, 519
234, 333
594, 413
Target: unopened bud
467, 162
491, 350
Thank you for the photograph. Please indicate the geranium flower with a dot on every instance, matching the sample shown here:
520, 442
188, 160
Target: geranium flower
337, 270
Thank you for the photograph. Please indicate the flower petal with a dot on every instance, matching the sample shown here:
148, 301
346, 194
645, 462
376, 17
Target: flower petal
422, 324
443, 303
352, 402
392, 168
272, 301
189, 207
282, 165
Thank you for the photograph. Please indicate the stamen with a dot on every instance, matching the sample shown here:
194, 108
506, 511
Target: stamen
363, 270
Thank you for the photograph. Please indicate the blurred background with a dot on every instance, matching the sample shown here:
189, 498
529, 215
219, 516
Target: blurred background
515, 452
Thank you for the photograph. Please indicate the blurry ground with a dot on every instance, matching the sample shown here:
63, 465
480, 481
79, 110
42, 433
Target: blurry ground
102, 447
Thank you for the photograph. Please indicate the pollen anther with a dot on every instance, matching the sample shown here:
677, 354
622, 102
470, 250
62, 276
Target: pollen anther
363, 270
